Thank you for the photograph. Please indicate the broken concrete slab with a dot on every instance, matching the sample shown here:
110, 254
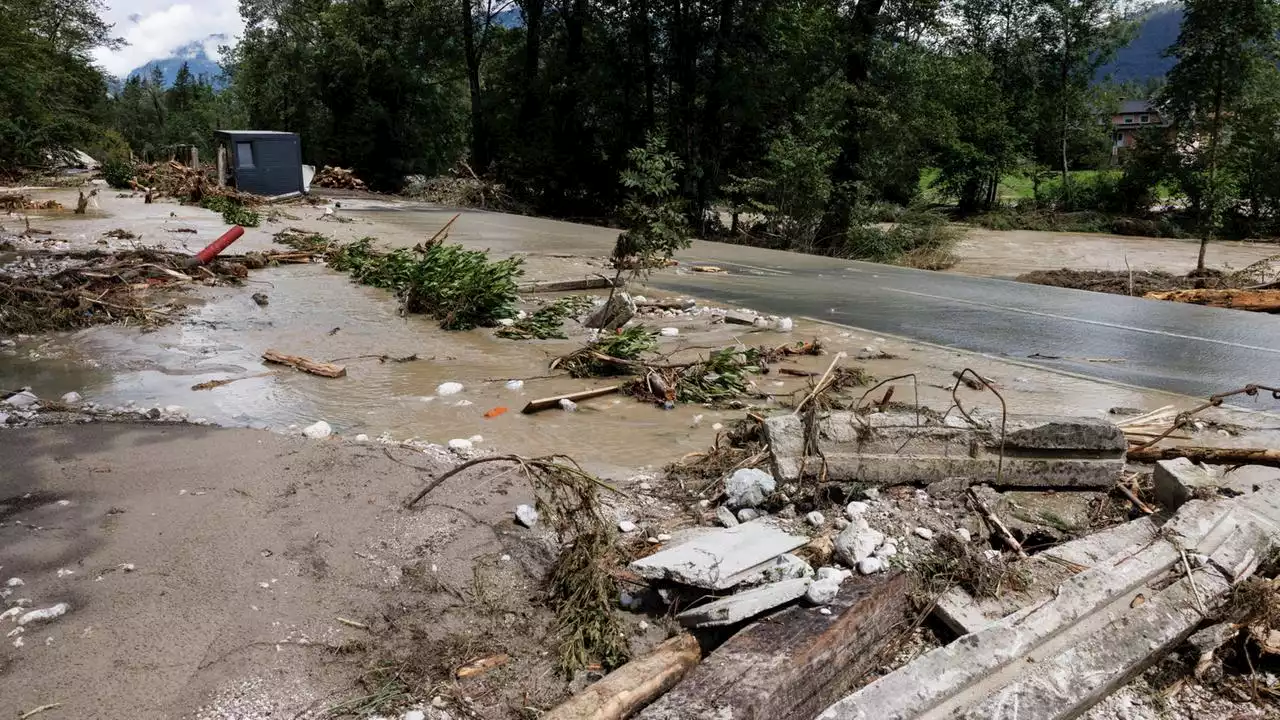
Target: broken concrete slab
964, 614
615, 313
744, 605
720, 558
1074, 629
895, 447
791, 664
1179, 480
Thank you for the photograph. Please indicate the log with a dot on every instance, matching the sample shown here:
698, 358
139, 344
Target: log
1267, 301
683, 304
629, 688
323, 369
554, 402
792, 664
591, 283
1210, 455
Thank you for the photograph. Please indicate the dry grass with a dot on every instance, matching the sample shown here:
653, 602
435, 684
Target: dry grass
955, 563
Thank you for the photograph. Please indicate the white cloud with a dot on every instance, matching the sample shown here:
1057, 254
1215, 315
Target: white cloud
155, 29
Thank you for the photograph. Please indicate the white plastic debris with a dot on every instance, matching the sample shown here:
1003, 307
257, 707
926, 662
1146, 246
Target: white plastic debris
568, 405
506, 322
414, 715
697, 420
664, 537
526, 515
64, 503
44, 614
63, 572
362, 438
477, 439
784, 325
460, 444
128, 567
449, 388
318, 431
463, 403
717, 427
669, 332
12, 612
515, 384
626, 526
72, 398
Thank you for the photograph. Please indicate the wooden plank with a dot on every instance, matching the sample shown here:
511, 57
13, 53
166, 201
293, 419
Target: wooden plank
791, 665
625, 690
591, 283
554, 402
297, 362
1208, 455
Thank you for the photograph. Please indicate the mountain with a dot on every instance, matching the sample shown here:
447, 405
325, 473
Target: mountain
199, 62
1143, 59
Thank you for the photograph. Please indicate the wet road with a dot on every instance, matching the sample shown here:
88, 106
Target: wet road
1166, 346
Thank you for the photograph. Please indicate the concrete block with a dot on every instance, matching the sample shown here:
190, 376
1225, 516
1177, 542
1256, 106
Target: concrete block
722, 557
744, 605
1179, 480
895, 448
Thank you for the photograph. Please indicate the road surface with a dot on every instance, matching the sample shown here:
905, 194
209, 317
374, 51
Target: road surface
1160, 345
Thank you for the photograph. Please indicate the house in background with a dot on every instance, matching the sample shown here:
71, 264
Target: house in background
1131, 118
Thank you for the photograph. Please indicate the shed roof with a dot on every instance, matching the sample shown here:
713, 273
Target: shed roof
252, 133
1135, 106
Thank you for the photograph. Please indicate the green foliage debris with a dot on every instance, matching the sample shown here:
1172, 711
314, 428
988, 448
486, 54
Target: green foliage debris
598, 358
233, 211
547, 322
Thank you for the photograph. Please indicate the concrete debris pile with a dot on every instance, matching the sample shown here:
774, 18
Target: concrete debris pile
336, 177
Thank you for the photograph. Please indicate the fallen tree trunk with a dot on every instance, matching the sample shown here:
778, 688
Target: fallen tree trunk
629, 688
598, 282
1210, 455
297, 362
1267, 301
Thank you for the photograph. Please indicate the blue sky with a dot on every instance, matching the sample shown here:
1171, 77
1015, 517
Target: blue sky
153, 29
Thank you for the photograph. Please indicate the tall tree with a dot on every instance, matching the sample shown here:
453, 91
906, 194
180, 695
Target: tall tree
1223, 46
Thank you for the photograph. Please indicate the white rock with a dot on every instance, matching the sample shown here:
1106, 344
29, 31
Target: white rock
128, 567
815, 519
44, 614
664, 537
784, 325
841, 523
11, 613
963, 534
526, 515
824, 590
825, 611
63, 572
460, 444
886, 550
506, 322
646, 487
627, 526
871, 565
477, 438
748, 487
854, 544
717, 427
21, 399
725, 516
414, 715
449, 388
669, 332
318, 431
14, 582
924, 532
362, 438
747, 515
72, 398
515, 384
463, 403
828, 571
856, 509
568, 405
175, 410
643, 625
7, 343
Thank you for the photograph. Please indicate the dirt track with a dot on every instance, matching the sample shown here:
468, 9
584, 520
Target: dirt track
248, 546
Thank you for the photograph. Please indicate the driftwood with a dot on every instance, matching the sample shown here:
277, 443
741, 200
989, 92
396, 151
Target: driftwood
1267, 301
629, 688
685, 304
592, 283
323, 369
791, 665
554, 402
1209, 455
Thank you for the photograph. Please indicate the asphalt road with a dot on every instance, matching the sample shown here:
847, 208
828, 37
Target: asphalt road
1166, 346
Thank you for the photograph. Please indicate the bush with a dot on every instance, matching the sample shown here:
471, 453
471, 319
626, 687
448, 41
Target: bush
233, 211
118, 172
924, 241
458, 287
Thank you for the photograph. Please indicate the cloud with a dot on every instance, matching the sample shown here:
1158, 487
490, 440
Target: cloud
156, 29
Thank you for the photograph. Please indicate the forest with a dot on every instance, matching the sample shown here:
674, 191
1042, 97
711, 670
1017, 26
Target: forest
798, 124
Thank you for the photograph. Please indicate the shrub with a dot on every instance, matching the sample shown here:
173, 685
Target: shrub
233, 211
117, 172
926, 241
654, 212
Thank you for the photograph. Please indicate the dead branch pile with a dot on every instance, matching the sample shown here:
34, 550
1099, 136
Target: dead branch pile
104, 288
462, 188
336, 177
17, 201
188, 184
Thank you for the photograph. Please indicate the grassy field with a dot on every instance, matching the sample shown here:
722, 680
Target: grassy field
1013, 187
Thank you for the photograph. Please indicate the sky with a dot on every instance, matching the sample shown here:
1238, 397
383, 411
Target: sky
153, 29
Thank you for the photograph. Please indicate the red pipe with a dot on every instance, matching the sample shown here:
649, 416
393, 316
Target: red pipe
219, 245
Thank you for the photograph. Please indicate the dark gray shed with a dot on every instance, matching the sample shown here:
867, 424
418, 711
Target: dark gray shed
262, 162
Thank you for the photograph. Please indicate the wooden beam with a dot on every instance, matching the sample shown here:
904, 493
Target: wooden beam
554, 402
1210, 455
625, 690
298, 362
592, 283
793, 664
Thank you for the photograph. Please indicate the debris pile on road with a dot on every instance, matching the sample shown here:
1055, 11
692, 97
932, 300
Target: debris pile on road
462, 188
1255, 288
337, 177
